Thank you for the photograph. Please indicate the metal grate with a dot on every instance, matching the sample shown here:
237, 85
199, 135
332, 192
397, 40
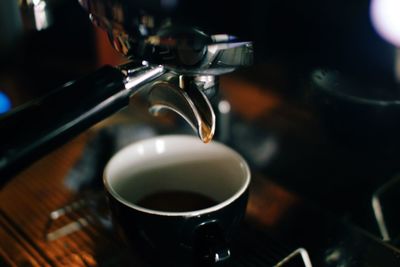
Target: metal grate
254, 248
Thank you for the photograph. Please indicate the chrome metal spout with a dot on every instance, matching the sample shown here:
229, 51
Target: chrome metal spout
183, 96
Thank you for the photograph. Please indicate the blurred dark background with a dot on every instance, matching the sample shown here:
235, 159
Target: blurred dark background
33, 62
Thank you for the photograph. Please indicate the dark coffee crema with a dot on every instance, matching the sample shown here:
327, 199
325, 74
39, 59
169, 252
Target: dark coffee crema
176, 201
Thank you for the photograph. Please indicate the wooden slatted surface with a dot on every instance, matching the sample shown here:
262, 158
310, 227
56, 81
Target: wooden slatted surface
26, 204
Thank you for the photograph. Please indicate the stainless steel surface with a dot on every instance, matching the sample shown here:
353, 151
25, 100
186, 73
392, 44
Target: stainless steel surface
183, 96
384, 200
300, 252
139, 76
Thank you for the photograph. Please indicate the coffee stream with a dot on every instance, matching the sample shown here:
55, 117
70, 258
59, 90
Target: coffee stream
176, 201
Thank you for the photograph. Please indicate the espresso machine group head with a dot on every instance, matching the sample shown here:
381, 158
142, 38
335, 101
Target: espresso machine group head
175, 63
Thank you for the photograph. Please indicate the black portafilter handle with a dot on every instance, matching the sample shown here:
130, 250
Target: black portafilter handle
30, 131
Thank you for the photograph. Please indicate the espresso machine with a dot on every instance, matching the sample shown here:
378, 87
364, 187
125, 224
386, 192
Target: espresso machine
178, 64
176, 51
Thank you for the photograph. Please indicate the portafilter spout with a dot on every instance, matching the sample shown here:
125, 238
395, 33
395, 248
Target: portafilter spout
183, 96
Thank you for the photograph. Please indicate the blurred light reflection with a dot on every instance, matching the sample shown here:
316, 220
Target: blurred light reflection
5, 103
160, 146
385, 16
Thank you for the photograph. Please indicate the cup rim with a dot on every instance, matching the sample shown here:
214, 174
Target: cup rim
243, 188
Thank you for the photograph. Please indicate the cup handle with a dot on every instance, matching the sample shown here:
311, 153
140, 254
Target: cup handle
210, 245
